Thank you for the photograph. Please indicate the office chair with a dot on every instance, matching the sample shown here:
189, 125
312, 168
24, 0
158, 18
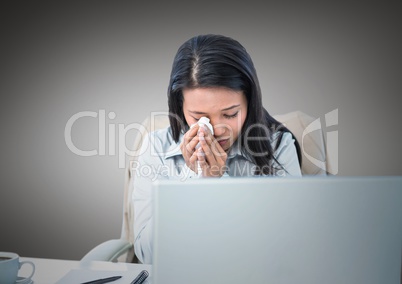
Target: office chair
313, 149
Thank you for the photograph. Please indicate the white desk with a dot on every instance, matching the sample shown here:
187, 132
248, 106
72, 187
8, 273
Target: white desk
49, 271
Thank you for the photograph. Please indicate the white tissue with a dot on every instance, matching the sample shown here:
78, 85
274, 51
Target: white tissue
203, 121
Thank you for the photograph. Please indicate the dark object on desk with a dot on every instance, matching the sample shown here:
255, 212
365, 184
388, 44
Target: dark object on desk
141, 277
104, 280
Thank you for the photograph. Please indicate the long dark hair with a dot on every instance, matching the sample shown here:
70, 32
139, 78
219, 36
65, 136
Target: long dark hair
220, 61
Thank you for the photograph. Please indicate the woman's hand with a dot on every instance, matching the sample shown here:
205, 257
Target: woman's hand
187, 147
210, 154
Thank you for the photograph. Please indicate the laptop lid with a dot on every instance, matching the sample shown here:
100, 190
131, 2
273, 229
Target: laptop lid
278, 230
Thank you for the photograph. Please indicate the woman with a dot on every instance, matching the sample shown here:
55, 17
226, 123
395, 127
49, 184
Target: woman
212, 76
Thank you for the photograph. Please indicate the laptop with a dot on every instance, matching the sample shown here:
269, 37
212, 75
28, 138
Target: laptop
278, 230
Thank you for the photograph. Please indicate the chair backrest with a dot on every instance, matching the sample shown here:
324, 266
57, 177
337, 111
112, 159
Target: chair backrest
312, 147
314, 155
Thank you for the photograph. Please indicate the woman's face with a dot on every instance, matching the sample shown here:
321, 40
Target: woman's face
226, 109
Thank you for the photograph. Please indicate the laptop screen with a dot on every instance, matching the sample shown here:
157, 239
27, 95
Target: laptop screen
278, 230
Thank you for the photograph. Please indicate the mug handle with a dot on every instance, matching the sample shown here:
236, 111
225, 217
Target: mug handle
32, 273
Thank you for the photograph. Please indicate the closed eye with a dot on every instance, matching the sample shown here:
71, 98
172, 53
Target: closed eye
229, 116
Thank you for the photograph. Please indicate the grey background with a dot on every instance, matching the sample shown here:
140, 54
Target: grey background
61, 59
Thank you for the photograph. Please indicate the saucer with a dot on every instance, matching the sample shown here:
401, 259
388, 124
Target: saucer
25, 280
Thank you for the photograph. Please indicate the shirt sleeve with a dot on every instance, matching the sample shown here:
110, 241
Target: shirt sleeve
286, 155
147, 169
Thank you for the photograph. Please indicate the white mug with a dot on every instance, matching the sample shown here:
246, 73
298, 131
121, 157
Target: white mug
10, 264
